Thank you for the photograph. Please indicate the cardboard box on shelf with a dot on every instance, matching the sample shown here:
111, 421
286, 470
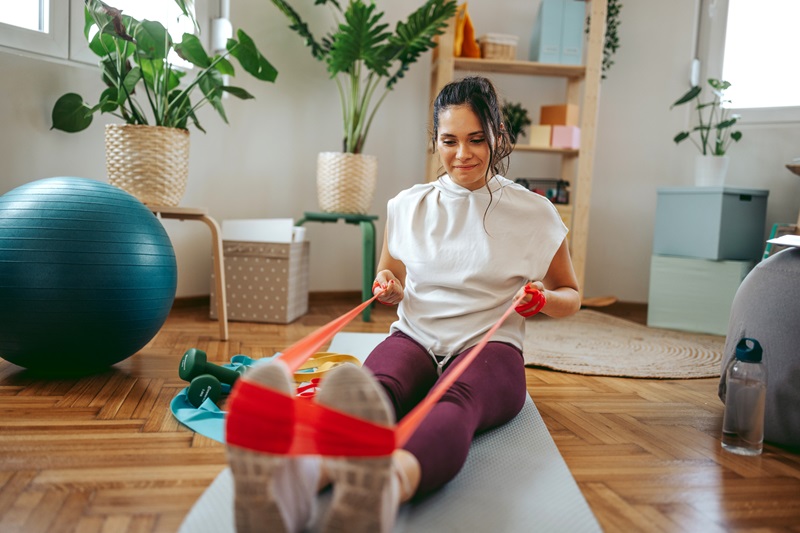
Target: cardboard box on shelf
559, 115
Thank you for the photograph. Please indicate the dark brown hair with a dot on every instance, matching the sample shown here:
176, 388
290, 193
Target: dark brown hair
480, 95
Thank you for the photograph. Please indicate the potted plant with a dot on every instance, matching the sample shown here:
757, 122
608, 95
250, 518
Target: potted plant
139, 77
366, 61
714, 132
516, 119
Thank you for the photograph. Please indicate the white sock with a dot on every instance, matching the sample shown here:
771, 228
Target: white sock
391, 501
295, 490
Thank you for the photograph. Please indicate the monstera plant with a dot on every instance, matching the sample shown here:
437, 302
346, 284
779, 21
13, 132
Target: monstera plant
146, 91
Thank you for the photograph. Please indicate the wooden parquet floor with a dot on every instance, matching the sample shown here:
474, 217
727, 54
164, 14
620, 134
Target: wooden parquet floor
103, 453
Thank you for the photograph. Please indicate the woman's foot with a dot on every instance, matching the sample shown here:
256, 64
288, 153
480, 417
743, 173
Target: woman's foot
366, 494
273, 492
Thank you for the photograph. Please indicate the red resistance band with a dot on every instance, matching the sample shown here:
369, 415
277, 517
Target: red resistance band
265, 420
535, 305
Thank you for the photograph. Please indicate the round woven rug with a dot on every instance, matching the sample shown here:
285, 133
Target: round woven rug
594, 343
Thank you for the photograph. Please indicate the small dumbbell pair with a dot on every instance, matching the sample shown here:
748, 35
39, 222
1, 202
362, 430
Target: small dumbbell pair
205, 379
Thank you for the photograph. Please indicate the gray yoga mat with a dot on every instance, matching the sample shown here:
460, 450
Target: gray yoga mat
514, 480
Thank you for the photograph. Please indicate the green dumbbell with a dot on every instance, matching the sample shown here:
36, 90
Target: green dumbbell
202, 387
194, 363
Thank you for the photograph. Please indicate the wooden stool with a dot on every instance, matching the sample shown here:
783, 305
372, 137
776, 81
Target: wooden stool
201, 213
367, 245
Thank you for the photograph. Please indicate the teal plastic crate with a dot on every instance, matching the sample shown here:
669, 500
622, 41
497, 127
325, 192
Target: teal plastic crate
691, 294
711, 222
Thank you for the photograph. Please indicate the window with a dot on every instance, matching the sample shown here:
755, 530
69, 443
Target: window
753, 45
29, 15
54, 28
25, 25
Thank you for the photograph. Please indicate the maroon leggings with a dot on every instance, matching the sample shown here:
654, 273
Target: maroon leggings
489, 393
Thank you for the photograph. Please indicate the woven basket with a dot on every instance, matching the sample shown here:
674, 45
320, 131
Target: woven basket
150, 162
346, 182
498, 46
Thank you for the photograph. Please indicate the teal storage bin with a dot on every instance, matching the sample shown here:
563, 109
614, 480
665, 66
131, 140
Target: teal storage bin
691, 294
711, 222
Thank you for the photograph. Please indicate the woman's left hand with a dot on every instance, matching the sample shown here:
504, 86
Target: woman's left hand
526, 295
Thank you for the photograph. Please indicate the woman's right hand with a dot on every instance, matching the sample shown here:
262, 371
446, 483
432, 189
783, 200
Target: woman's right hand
394, 289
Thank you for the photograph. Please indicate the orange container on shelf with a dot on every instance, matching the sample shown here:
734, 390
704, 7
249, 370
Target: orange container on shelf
559, 115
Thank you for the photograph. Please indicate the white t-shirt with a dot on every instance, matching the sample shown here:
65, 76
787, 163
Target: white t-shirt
464, 264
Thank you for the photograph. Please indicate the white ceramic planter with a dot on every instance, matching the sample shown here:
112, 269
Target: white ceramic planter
710, 170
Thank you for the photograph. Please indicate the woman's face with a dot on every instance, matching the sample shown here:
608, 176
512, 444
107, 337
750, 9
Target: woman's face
463, 146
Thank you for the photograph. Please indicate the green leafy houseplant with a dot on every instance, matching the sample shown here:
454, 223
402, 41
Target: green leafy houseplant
715, 122
360, 54
516, 119
135, 66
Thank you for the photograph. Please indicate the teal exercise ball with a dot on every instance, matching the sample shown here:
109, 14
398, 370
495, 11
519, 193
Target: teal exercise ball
87, 275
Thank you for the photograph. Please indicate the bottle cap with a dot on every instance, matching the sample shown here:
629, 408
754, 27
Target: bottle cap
748, 350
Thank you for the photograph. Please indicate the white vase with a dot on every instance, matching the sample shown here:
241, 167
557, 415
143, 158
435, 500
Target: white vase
710, 170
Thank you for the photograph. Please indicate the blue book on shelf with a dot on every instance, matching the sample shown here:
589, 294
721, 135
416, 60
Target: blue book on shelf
546, 40
572, 32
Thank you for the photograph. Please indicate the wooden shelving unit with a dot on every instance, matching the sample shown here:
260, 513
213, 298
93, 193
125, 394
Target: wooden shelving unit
582, 89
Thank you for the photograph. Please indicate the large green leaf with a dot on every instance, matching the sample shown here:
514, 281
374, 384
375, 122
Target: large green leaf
238, 92
191, 49
250, 58
70, 114
152, 40
211, 85
415, 36
361, 38
110, 100
298, 25
129, 83
224, 66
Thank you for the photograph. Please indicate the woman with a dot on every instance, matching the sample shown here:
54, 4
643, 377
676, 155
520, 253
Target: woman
456, 253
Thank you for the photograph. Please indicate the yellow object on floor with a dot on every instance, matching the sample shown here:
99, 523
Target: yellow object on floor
320, 363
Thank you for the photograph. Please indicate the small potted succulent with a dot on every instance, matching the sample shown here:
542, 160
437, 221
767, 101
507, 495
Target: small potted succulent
516, 119
147, 92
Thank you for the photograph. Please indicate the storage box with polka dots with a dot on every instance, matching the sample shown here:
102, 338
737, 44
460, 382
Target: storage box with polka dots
265, 282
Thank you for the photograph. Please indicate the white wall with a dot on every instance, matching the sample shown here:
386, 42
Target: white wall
263, 164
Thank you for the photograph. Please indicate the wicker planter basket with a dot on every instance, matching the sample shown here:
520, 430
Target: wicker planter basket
150, 162
346, 182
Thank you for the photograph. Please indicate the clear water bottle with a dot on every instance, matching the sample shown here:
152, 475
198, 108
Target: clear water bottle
745, 399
